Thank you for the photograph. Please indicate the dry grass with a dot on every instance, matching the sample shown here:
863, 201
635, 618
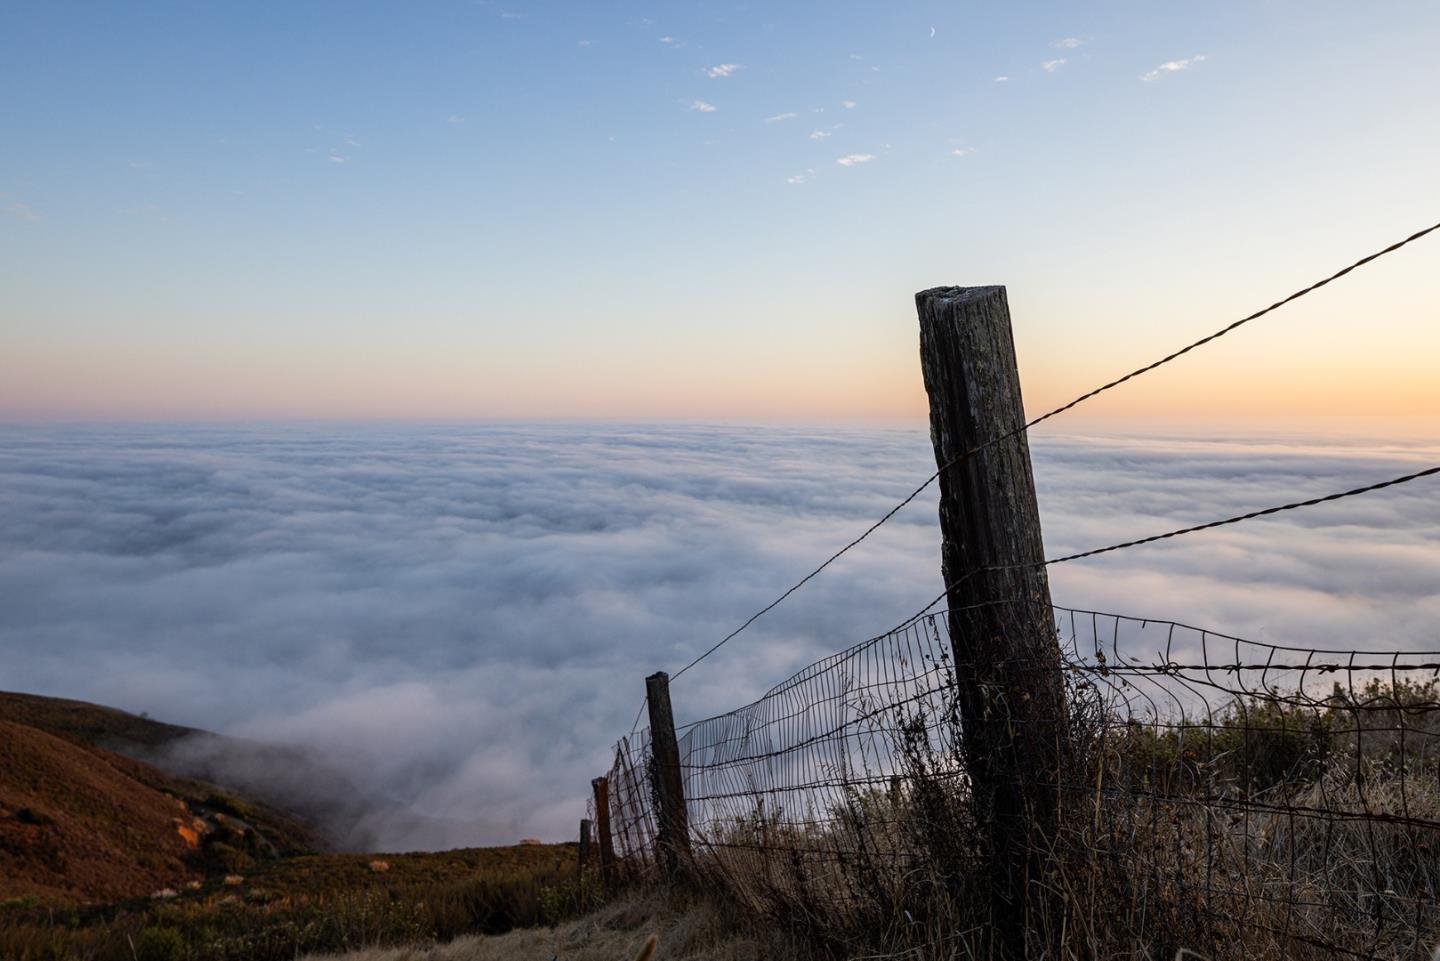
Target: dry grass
1259, 834
292, 906
698, 930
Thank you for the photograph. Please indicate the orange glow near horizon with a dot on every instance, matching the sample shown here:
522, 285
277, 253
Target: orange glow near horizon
1363, 348
105, 384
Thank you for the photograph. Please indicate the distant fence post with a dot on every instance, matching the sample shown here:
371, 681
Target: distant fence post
584, 848
601, 788
673, 821
1009, 684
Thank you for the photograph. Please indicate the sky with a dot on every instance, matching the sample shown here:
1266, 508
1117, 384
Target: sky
404, 382
709, 210
458, 618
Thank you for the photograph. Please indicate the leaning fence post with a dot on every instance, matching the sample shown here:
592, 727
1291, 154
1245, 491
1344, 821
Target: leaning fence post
601, 787
674, 826
1009, 686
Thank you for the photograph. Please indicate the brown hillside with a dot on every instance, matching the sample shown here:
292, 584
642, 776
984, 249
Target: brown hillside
81, 819
82, 823
88, 723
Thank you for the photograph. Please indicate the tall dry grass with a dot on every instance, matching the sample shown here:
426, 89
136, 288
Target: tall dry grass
1280, 829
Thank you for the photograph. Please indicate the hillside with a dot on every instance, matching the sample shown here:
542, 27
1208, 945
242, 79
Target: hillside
81, 822
108, 857
84, 823
90, 724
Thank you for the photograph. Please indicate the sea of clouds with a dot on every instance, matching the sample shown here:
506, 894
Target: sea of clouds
459, 618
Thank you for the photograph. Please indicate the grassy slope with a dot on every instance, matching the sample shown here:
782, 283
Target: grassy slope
88, 835
289, 906
82, 823
79, 822
86, 723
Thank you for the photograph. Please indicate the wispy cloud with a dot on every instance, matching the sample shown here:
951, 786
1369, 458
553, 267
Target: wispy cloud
702, 107
781, 116
1174, 66
1068, 43
1052, 65
22, 211
849, 104
1001, 79
851, 159
805, 177
585, 43
339, 148
454, 118
672, 42
819, 134
721, 70
962, 151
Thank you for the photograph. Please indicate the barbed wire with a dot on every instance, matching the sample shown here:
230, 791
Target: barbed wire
1403, 479
966, 455
1294, 505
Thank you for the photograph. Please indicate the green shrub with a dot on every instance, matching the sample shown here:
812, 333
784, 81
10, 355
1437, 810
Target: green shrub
159, 944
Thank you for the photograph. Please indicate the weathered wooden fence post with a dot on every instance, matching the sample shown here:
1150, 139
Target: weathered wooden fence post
673, 822
1009, 685
584, 848
601, 787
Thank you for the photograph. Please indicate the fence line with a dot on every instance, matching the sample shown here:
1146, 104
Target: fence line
1239, 788
1124, 786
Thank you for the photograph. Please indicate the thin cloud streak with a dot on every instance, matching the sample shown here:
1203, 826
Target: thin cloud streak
1173, 66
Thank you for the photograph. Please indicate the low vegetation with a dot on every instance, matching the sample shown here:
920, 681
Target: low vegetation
1272, 828
106, 858
323, 903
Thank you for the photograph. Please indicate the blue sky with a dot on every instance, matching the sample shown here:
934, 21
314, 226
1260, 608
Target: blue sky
490, 209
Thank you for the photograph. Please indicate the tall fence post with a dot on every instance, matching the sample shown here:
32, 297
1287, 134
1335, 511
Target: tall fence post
1009, 686
673, 820
601, 787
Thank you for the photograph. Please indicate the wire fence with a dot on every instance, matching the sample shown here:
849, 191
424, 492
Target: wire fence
1228, 796
1166, 790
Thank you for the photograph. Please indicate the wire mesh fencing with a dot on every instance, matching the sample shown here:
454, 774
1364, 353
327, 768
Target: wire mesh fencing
1226, 796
